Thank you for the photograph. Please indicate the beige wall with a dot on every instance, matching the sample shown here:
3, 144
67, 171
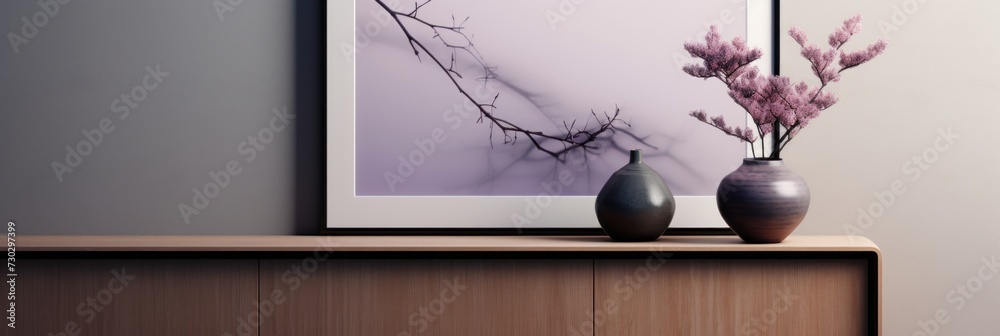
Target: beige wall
940, 72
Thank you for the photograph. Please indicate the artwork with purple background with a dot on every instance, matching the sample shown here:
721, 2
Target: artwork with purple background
567, 88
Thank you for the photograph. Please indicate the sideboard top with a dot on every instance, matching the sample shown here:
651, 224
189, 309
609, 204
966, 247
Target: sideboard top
434, 244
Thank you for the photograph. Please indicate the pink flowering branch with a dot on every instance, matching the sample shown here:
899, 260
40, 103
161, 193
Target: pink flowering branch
745, 134
773, 102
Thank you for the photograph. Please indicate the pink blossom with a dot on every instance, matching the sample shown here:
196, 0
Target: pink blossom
719, 121
745, 134
856, 58
841, 35
798, 36
720, 58
767, 98
698, 71
700, 115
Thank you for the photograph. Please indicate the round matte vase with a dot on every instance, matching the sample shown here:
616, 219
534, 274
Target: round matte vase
763, 201
635, 205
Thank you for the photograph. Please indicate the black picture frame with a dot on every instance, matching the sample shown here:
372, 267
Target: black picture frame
311, 149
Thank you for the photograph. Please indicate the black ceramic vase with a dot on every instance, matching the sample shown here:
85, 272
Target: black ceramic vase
635, 205
763, 201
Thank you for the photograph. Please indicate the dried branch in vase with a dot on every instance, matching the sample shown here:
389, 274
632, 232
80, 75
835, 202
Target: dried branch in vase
461, 45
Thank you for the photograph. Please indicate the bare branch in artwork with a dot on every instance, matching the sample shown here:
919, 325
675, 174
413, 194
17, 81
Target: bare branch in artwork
461, 44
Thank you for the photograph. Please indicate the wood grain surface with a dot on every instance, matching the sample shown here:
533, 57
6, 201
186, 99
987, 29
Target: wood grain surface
731, 297
429, 297
134, 297
468, 296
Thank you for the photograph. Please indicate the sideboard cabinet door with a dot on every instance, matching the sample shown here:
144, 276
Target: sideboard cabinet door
150, 297
427, 297
662, 296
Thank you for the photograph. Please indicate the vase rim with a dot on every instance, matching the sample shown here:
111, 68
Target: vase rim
763, 161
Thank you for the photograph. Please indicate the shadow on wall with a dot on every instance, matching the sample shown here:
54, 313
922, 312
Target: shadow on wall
310, 98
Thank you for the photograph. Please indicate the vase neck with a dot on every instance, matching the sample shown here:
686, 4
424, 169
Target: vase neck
635, 156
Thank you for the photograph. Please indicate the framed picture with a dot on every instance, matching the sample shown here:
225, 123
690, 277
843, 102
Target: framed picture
480, 116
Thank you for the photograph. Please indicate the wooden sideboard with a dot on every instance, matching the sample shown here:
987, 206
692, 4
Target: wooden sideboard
454, 285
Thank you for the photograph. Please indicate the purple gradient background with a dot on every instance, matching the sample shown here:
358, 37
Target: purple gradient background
605, 53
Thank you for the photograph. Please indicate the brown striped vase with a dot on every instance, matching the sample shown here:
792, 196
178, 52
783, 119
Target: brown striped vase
763, 201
